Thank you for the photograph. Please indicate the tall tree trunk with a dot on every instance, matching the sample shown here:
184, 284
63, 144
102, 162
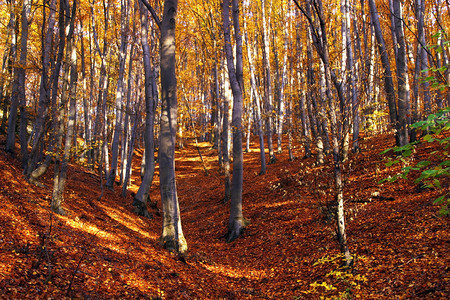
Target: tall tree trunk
70, 88
402, 75
388, 82
9, 56
37, 171
236, 221
124, 25
281, 92
314, 117
227, 135
339, 185
18, 100
44, 91
256, 96
142, 195
268, 83
172, 234
322, 49
302, 87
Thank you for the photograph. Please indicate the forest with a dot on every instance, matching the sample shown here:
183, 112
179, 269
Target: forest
273, 149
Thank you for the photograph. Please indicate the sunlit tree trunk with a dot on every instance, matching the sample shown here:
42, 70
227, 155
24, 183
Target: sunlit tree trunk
256, 95
124, 25
301, 91
236, 221
281, 93
142, 195
99, 138
267, 82
172, 234
70, 89
126, 109
321, 43
402, 74
342, 237
227, 134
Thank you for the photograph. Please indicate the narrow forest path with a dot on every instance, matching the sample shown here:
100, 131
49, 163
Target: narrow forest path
102, 250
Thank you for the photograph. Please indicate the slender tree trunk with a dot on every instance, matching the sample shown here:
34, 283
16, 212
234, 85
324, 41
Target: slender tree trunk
70, 89
172, 234
8, 57
130, 154
388, 82
236, 221
37, 171
226, 135
44, 92
314, 117
86, 106
402, 75
18, 100
256, 98
119, 94
322, 49
281, 94
142, 195
268, 83
302, 94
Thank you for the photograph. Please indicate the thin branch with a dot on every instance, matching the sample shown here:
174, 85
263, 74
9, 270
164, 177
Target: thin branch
152, 11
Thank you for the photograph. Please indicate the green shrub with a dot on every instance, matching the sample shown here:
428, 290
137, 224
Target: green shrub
434, 126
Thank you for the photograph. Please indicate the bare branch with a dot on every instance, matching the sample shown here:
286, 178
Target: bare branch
152, 11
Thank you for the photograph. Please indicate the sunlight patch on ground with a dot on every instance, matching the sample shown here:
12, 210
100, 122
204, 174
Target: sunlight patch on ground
89, 228
201, 144
277, 204
235, 273
127, 221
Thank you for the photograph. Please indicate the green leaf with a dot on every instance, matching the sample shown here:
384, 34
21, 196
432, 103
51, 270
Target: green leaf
385, 151
407, 153
437, 183
439, 200
392, 162
423, 163
445, 163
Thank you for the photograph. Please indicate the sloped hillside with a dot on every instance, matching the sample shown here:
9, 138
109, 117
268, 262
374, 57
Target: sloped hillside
102, 250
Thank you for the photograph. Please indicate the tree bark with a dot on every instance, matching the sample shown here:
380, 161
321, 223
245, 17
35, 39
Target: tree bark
172, 235
44, 92
236, 221
388, 82
124, 25
268, 84
61, 172
402, 75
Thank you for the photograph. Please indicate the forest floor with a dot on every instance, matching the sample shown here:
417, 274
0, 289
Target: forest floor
102, 250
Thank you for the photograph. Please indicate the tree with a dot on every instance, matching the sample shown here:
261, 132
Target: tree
69, 91
402, 75
18, 93
140, 199
236, 221
256, 95
172, 235
267, 82
124, 28
322, 49
388, 82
